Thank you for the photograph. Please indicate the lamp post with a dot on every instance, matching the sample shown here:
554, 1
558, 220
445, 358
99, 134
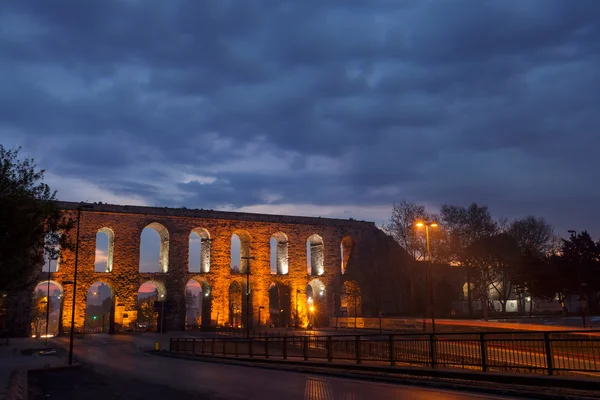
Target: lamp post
248, 258
297, 318
428, 225
48, 303
81, 206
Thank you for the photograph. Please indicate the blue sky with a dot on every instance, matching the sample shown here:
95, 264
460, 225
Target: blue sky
337, 108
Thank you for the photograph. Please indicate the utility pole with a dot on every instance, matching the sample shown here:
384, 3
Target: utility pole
48, 302
247, 258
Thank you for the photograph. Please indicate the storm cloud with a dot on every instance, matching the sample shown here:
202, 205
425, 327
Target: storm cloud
335, 108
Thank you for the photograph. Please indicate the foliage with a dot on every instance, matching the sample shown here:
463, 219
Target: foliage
146, 311
38, 312
30, 220
534, 235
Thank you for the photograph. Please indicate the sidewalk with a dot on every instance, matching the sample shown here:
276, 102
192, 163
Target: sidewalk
12, 359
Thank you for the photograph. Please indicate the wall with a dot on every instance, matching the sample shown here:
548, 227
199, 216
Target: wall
374, 261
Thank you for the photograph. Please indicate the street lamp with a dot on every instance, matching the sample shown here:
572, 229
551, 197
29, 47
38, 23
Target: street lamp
427, 225
248, 258
81, 206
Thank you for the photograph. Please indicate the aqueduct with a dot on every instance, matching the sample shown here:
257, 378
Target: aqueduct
314, 257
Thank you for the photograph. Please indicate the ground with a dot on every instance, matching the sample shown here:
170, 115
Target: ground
87, 383
118, 367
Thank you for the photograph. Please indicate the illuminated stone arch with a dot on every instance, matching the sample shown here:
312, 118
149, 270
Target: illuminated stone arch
351, 299
199, 306
97, 306
279, 253
163, 234
236, 304
239, 251
346, 246
203, 236
39, 312
104, 259
316, 297
279, 311
314, 255
146, 317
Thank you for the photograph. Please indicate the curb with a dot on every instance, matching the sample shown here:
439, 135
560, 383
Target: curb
340, 371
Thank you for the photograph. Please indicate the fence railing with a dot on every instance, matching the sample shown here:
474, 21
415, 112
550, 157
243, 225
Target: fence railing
547, 353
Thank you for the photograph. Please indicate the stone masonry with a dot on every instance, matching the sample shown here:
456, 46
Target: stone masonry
370, 257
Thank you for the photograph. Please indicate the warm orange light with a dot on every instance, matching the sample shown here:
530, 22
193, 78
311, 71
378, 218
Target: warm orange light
312, 309
434, 225
419, 224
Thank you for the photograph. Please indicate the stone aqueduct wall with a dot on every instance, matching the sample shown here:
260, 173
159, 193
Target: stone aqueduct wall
375, 260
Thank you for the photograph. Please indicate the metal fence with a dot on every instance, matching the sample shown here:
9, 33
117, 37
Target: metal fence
546, 353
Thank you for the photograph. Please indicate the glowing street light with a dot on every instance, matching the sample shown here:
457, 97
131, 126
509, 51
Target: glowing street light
427, 225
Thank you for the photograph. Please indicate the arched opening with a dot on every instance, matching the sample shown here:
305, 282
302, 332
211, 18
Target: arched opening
197, 304
105, 240
314, 255
149, 292
316, 299
154, 249
279, 254
52, 252
236, 305
346, 251
99, 310
240, 251
279, 306
351, 299
47, 309
199, 253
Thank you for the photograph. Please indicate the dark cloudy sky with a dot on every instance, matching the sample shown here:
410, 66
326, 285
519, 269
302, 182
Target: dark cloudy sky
333, 108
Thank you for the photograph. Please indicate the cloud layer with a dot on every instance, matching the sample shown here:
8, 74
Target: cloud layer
323, 108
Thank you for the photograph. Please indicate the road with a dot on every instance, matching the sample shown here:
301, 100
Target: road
123, 356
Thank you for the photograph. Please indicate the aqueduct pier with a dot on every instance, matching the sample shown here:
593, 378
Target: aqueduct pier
316, 257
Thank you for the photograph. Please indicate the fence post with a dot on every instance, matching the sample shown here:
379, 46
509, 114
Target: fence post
225, 346
202, 346
212, 347
392, 350
250, 347
266, 347
357, 348
285, 347
549, 357
432, 349
236, 347
305, 348
483, 352
329, 348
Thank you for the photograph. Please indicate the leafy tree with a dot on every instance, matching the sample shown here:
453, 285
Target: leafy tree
38, 312
581, 265
30, 221
352, 293
146, 311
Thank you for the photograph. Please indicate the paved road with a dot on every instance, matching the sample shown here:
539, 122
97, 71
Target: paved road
122, 356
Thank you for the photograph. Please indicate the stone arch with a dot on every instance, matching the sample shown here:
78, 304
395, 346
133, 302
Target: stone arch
52, 252
239, 251
236, 304
104, 258
54, 302
346, 246
314, 255
316, 299
352, 299
279, 253
163, 256
280, 305
199, 312
100, 308
149, 292
199, 246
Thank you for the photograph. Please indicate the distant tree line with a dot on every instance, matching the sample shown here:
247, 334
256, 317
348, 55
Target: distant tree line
500, 258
